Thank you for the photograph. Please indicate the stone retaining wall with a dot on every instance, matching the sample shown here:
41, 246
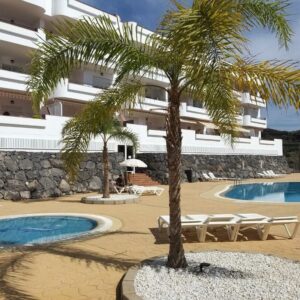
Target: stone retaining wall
25, 175
232, 166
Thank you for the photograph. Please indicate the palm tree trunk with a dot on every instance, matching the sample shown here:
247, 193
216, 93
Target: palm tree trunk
176, 258
105, 172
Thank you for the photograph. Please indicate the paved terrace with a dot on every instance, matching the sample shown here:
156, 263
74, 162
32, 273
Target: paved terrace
92, 268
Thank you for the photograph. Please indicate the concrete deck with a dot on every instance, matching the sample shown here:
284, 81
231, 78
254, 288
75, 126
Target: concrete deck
91, 268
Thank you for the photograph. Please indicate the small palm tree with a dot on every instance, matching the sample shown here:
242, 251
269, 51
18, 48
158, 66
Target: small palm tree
198, 48
93, 122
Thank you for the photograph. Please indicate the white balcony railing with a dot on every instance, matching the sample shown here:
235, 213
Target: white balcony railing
70, 90
12, 33
29, 134
250, 121
13, 80
151, 105
37, 135
154, 141
248, 99
194, 112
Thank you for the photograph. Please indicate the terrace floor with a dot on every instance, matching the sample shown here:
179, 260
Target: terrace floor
91, 268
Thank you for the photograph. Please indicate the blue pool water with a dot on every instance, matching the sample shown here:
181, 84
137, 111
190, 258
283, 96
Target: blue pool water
266, 192
42, 229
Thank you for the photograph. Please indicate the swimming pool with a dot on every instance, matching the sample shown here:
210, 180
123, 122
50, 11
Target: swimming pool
46, 228
280, 192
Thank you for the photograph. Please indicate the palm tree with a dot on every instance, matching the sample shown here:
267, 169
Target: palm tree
93, 122
199, 48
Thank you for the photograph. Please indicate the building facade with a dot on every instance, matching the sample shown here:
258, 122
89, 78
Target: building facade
21, 24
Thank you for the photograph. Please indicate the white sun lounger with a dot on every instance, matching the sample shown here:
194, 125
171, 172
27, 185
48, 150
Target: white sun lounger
186, 222
211, 174
277, 175
140, 190
285, 221
263, 224
252, 220
208, 178
227, 221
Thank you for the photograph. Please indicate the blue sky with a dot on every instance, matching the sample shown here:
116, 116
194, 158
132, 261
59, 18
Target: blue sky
262, 44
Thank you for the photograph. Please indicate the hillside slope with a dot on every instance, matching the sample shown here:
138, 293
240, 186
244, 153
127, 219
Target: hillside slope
291, 145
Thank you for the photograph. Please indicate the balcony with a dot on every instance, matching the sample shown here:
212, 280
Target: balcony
193, 112
76, 9
71, 91
19, 34
39, 3
154, 105
250, 121
14, 81
248, 99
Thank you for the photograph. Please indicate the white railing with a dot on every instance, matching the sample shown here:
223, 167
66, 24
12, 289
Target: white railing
246, 98
13, 81
148, 104
153, 141
250, 121
76, 9
27, 134
70, 90
193, 112
19, 35
37, 135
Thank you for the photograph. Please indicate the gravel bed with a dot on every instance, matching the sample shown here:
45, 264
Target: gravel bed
231, 275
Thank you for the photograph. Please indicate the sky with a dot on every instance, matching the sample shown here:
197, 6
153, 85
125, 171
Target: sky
262, 44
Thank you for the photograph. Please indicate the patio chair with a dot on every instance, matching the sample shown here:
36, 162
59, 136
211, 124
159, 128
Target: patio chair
227, 221
199, 223
140, 190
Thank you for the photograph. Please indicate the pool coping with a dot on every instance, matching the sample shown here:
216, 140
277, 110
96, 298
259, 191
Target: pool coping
221, 196
108, 224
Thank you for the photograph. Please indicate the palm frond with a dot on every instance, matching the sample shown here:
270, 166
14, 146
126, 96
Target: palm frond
95, 41
278, 81
97, 119
122, 95
75, 139
124, 135
216, 94
268, 14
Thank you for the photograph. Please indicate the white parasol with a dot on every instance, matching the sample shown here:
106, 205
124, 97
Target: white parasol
133, 163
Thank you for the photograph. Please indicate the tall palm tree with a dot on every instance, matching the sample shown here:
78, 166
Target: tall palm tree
95, 121
199, 48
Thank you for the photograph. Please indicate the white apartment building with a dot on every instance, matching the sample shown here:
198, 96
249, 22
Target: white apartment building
21, 24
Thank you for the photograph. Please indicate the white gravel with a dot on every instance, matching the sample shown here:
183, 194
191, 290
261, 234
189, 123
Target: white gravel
231, 275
